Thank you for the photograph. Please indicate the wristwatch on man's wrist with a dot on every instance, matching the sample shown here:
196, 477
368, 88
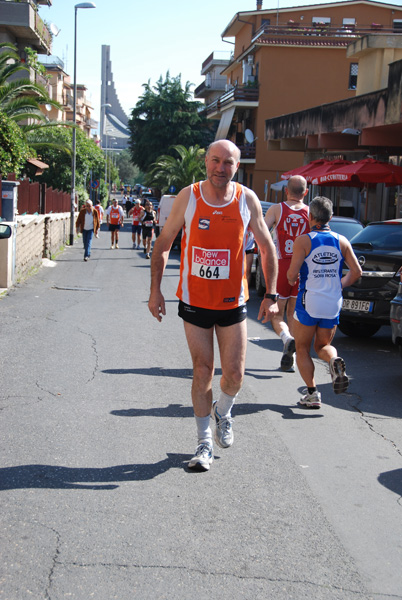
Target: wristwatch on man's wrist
273, 297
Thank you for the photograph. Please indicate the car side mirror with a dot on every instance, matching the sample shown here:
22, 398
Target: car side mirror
5, 231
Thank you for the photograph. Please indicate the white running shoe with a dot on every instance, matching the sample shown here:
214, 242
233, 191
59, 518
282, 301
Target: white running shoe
223, 429
203, 457
337, 369
310, 400
117, 245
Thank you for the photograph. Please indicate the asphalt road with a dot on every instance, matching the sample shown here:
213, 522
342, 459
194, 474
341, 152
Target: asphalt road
96, 429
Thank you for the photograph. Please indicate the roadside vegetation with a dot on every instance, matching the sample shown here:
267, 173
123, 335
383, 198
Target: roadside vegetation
168, 134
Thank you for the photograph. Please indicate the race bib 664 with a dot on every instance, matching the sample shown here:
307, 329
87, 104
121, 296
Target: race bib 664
210, 264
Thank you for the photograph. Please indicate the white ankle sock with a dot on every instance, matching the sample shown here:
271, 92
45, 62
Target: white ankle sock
285, 335
204, 430
225, 404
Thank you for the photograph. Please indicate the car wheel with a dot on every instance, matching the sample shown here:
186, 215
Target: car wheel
363, 330
259, 286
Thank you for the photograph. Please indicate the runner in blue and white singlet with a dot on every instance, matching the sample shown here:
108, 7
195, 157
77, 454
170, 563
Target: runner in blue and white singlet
319, 257
320, 290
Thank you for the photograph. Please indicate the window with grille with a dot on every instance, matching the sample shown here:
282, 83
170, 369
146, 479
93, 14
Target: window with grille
354, 67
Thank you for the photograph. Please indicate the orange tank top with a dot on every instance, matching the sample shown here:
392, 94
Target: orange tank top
213, 266
114, 215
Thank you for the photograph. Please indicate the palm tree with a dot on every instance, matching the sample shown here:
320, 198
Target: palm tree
178, 172
20, 99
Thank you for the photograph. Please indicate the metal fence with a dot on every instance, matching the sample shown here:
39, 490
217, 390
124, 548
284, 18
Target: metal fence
34, 197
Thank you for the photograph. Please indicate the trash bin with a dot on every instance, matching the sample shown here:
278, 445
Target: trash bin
9, 198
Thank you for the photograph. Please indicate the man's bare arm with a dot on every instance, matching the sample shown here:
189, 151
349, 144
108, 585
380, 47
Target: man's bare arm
269, 259
272, 215
160, 253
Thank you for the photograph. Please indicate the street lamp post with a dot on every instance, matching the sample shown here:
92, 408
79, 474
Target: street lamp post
76, 7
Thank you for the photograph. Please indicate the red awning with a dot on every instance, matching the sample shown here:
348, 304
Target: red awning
304, 169
362, 172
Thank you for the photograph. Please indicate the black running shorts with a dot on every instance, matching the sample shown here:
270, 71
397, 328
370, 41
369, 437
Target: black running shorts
205, 318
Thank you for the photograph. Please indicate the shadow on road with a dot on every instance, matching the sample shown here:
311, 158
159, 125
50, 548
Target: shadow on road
53, 477
392, 480
181, 411
155, 372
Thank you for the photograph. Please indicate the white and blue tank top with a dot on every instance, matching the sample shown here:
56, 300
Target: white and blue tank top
320, 290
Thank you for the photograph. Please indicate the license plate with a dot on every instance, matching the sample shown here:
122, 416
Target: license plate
357, 305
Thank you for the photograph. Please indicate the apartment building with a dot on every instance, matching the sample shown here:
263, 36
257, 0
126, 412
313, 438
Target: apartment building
21, 25
286, 60
61, 90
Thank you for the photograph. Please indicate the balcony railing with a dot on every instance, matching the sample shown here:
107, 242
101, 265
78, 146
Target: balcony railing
247, 151
342, 33
68, 101
23, 17
215, 58
214, 86
241, 94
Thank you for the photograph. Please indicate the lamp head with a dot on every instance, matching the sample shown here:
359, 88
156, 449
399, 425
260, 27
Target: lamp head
85, 5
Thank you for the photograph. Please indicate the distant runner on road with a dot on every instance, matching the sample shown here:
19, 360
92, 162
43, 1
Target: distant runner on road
115, 218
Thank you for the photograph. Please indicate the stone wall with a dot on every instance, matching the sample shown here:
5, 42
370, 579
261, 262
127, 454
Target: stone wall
38, 237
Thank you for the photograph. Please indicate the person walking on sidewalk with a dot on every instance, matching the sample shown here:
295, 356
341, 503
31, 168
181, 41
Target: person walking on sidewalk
289, 219
148, 222
115, 219
319, 256
136, 212
212, 290
88, 223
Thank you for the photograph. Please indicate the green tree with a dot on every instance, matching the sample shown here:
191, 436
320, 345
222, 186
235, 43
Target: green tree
54, 152
128, 172
179, 172
14, 150
166, 116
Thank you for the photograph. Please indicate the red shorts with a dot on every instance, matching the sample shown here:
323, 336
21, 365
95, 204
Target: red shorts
283, 287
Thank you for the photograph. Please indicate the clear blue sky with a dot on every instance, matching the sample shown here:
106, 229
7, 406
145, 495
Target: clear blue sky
147, 38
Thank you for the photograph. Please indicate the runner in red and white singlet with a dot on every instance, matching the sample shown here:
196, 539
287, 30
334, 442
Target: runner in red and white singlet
289, 220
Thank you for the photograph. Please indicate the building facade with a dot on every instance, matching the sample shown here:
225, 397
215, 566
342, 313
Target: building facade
21, 25
287, 60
